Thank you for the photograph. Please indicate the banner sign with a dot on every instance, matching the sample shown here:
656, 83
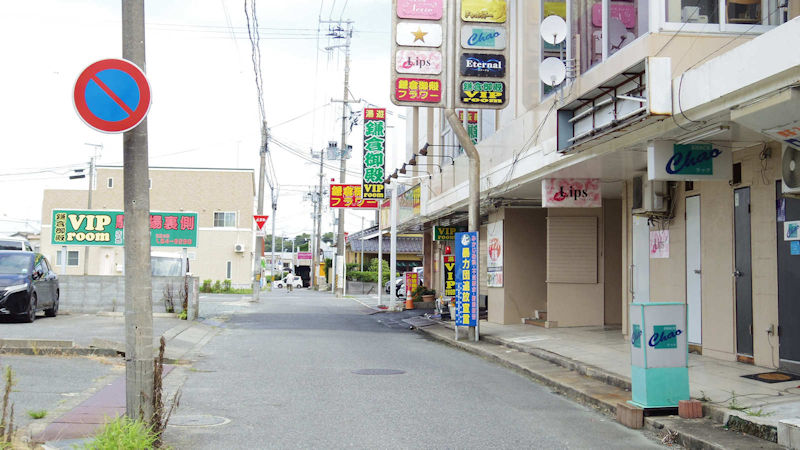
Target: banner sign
349, 196
659, 244
467, 279
483, 93
304, 255
424, 62
571, 193
483, 65
420, 9
494, 246
374, 153
485, 37
483, 11
412, 281
789, 134
449, 264
669, 161
418, 90
98, 227
446, 233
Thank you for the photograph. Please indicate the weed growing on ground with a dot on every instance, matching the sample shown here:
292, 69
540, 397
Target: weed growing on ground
7, 419
734, 405
704, 397
123, 432
160, 417
38, 414
759, 413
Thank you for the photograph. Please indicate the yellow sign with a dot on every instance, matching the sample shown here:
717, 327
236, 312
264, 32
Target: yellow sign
483, 11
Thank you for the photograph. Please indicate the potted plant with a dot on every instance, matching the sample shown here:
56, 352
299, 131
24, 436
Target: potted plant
428, 294
416, 294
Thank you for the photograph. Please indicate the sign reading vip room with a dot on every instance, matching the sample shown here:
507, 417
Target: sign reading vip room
483, 27
446, 233
467, 279
80, 227
418, 47
374, 153
669, 161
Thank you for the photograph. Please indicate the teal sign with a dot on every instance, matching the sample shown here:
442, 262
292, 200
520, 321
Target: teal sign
636, 337
692, 159
664, 336
100, 227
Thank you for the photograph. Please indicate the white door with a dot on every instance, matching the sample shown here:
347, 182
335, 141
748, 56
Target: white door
640, 269
694, 313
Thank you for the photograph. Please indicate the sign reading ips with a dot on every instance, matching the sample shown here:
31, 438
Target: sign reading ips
374, 152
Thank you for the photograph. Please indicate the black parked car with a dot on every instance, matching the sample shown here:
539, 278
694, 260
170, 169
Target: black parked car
27, 285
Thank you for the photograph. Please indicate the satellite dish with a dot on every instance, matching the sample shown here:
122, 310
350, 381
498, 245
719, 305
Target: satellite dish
552, 71
553, 30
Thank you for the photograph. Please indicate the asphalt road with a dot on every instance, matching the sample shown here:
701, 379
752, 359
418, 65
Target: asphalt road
299, 370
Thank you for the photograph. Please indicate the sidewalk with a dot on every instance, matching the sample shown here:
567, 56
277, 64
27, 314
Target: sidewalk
592, 364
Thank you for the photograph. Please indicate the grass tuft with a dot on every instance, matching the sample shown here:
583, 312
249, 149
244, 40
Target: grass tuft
123, 432
38, 414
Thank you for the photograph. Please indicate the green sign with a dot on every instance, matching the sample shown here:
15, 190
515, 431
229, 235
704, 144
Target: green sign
374, 153
446, 233
98, 227
692, 159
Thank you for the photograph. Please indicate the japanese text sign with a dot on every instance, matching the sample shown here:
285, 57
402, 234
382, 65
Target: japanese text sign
449, 263
374, 153
412, 281
466, 268
81, 227
418, 90
349, 196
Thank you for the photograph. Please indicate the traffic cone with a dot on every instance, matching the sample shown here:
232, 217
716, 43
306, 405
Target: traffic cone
409, 302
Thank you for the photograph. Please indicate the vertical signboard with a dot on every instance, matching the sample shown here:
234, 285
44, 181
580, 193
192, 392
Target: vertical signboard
412, 281
374, 153
466, 279
482, 75
418, 53
494, 263
449, 264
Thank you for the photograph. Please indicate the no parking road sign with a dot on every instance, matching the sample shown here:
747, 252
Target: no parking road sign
112, 95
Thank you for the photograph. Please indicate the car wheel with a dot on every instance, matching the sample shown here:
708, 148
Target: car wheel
30, 315
51, 312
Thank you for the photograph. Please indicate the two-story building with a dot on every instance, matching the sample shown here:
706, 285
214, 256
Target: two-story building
661, 169
222, 198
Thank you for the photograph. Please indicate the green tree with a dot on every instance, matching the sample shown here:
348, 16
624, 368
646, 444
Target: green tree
328, 237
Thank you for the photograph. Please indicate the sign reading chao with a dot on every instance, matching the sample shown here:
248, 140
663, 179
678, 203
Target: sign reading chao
83, 227
667, 160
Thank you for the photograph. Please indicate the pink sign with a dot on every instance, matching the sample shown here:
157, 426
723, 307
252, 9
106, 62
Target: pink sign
571, 193
428, 62
418, 90
304, 255
419, 9
625, 12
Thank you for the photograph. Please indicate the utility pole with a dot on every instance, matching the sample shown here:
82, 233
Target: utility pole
138, 284
339, 33
258, 251
274, 195
89, 203
318, 224
362, 246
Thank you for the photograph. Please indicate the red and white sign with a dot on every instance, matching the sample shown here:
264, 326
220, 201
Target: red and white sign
112, 95
571, 193
304, 255
260, 221
425, 62
349, 196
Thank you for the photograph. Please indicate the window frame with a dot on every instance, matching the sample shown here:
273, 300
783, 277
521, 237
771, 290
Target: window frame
60, 261
224, 219
658, 15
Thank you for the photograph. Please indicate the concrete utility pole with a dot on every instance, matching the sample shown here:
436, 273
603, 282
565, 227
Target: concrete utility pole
318, 225
138, 285
346, 34
274, 195
258, 251
88, 206
393, 247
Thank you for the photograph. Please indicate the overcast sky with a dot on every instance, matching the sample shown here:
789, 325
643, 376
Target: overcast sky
204, 111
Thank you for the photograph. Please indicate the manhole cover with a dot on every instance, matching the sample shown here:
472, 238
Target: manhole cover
199, 420
379, 372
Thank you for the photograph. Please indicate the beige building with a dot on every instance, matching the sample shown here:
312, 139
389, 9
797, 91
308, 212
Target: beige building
222, 198
647, 80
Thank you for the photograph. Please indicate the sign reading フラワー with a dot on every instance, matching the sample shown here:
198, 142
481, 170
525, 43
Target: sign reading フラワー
349, 196
466, 279
374, 153
97, 227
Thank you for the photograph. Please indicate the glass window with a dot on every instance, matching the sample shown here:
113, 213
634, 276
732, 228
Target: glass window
627, 20
228, 270
110, 183
224, 219
692, 11
554, 8
73, 258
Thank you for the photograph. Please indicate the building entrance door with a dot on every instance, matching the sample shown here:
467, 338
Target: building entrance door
788, 285
694, 302
742, 272
639, 273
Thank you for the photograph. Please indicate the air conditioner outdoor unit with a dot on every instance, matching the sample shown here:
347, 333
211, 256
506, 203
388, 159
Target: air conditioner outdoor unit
648, 196
790, 170
238, 248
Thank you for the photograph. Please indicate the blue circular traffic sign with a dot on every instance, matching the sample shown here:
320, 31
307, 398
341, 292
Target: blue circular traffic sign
112, 95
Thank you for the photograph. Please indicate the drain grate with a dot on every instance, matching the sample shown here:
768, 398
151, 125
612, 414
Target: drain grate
379, 372
198, 420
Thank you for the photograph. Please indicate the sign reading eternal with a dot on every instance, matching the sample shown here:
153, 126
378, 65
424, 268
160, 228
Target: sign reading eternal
374, 152
483, 65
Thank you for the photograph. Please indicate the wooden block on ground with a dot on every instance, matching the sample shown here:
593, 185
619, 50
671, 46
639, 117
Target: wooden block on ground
690, 409
630, 416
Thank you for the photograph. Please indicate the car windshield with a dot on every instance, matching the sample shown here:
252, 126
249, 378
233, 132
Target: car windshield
14, 264
10, 245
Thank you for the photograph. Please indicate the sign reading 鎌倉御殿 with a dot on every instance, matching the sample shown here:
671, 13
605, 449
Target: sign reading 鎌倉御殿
374, 153
467, 279
668, 161
446, 233
99, 227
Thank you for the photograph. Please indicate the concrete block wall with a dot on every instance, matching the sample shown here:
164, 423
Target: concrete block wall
106, 293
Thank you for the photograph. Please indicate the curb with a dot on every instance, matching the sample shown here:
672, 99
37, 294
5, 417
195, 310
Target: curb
701, 433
